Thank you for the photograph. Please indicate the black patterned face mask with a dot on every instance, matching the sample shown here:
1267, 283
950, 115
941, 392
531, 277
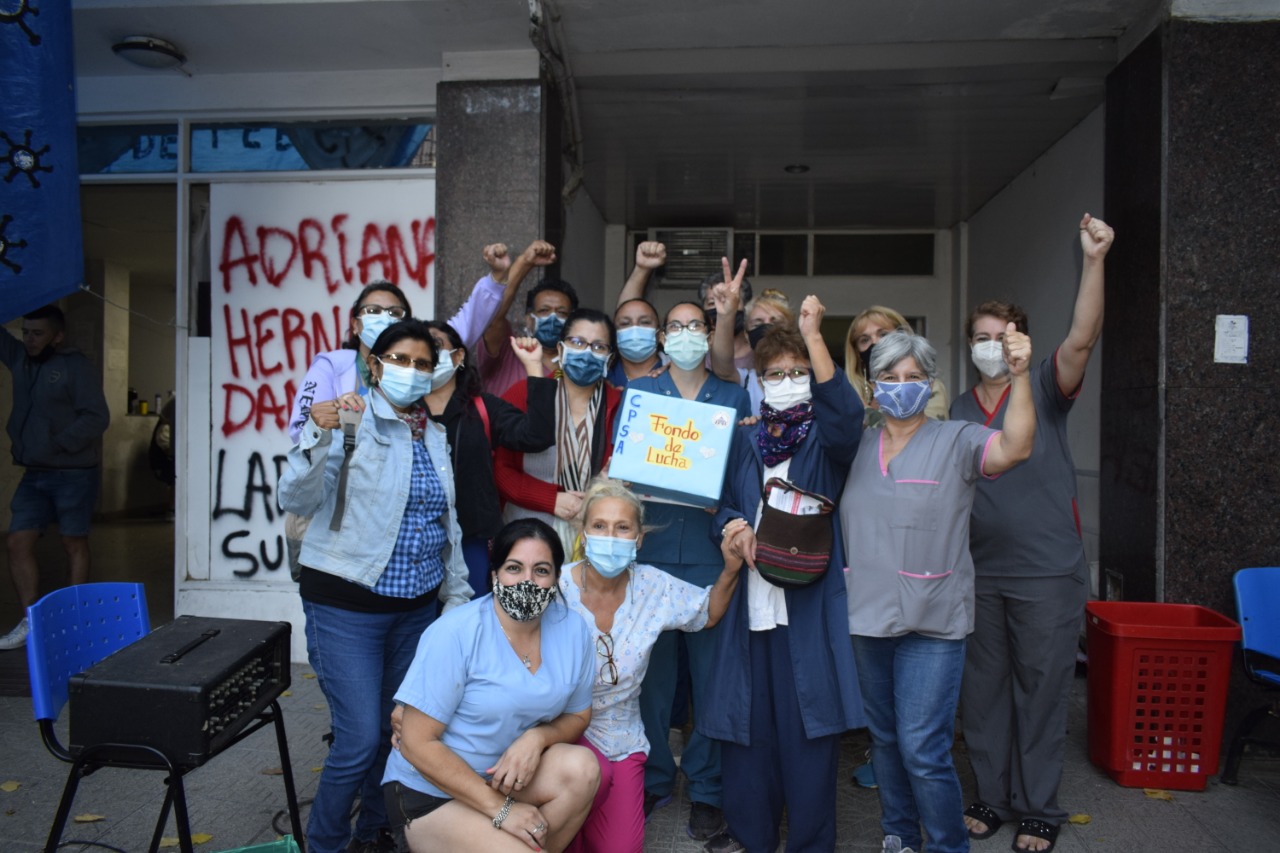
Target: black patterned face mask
523, 601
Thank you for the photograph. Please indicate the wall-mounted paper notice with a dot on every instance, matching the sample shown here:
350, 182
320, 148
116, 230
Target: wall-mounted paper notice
1231, 339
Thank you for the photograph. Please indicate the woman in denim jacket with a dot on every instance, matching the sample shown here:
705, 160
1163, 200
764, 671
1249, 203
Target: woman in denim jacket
372, 572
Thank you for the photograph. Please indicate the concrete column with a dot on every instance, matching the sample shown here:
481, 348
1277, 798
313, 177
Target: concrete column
119, 440
498, 178
1189, 481
1189, 484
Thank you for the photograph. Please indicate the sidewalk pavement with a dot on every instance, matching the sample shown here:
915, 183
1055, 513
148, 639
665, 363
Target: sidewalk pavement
238, 801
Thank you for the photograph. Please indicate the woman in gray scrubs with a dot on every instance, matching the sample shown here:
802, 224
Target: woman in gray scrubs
905, 520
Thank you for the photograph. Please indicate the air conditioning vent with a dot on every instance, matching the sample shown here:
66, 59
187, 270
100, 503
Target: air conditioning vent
692, 253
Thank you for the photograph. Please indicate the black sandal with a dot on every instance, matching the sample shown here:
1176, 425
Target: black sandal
986, 814
1036, 829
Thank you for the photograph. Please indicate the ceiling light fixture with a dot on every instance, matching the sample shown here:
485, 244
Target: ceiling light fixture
795, 169
149, 52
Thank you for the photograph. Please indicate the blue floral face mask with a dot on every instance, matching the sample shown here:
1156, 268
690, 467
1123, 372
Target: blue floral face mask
610, 555
903, 400
583, 367
636, 343
547, 329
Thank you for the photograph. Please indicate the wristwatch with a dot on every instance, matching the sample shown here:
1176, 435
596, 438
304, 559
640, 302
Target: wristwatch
502, 815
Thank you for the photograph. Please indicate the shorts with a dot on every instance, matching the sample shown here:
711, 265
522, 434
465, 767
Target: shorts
404, 805
46, 495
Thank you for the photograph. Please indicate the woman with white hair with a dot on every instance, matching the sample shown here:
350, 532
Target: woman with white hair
904, 515
629, 606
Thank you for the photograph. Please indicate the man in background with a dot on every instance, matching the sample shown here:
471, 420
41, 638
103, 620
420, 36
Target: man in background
58, 416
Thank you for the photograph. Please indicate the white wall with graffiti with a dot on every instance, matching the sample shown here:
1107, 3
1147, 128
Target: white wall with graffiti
287, 260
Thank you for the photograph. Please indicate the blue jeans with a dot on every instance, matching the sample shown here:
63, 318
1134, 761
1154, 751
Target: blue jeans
360, 660
910, 687
45, 495
475, 552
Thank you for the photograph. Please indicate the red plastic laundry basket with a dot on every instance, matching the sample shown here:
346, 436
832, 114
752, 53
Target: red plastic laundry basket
1158, 676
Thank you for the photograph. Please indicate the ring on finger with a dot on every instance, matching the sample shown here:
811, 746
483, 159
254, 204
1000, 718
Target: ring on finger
539, 828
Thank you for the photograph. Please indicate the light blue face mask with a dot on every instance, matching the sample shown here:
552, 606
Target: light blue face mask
445, 368
610, 555
637, 343
372, 325
686, 348
404, 386
903, 400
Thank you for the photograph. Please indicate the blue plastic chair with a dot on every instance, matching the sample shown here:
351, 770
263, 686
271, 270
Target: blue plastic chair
1258, 602
71, 630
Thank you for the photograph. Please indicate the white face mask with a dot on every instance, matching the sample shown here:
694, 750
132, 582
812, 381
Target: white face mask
788, 393
445, 368
988, 357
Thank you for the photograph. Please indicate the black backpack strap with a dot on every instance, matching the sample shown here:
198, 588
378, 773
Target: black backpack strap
350, 423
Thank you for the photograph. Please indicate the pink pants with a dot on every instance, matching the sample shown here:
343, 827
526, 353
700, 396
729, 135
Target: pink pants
616, 822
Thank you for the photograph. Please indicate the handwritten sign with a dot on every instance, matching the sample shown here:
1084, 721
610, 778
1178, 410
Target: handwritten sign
288, 260
672, 449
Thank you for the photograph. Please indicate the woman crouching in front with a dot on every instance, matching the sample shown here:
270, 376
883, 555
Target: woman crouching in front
493, 703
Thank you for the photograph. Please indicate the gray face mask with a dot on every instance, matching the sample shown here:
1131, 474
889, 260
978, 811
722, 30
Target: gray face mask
523, 601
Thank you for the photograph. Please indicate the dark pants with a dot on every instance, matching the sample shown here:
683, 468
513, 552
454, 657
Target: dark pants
1017, 683
781, 767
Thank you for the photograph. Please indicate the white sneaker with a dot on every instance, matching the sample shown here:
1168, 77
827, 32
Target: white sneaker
17, 638
893, 844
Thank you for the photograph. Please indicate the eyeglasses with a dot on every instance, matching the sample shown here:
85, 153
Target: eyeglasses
547, 311
675, 327
375, 310
597, 347
608, 669
401, 360
796, 374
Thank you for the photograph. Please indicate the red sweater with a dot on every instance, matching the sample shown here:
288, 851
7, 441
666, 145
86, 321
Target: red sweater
517, 487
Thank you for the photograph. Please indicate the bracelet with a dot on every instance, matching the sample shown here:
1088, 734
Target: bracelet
502, 815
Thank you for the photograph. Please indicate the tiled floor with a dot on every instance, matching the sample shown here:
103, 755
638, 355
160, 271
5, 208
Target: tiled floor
235, 797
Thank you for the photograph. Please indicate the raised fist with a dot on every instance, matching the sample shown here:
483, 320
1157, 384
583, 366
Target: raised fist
651, 255
540, 254
498, 259
811, 313
1096, 237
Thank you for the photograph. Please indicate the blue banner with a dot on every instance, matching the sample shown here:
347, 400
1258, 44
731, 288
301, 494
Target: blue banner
41, 254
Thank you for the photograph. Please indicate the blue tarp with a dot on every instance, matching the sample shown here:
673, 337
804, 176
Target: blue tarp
41, 254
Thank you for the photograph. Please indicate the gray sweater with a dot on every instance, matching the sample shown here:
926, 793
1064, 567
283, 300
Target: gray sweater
59, 412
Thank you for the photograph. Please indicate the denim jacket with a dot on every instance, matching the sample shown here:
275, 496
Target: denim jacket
377, 492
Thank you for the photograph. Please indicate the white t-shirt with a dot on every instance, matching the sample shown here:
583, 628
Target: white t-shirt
766, 602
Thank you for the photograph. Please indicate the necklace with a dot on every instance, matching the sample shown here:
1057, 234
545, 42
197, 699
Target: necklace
524, 659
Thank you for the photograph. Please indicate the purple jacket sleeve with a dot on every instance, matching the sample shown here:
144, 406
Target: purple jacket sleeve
477, 312
319, 384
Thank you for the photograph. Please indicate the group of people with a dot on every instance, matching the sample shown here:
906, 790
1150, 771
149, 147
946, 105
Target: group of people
498, 626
